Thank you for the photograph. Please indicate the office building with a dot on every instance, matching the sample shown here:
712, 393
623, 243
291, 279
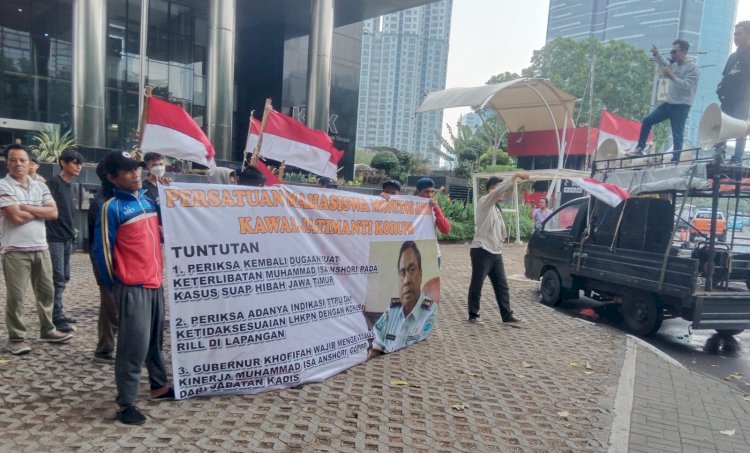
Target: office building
75, 64
706, 25
404, 57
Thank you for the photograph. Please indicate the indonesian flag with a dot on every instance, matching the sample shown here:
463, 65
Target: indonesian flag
286, 139
271, 179
624, 131
170, 130
604, 191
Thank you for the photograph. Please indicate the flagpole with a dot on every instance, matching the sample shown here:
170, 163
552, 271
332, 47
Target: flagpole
249, 132
256, 150
144, 114
142, 55
281, 170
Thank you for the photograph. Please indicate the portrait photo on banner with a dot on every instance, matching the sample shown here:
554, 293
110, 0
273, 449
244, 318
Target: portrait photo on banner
401, 301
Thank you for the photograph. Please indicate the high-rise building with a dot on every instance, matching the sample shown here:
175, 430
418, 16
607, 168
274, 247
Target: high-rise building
706, 25
470, 119
404, 57
75, 64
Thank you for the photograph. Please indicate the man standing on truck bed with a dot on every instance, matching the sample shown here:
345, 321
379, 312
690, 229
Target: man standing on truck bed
486, 249
734, 88
683, 76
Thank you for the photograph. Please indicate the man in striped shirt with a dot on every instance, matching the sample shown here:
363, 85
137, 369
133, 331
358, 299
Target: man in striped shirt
24, 206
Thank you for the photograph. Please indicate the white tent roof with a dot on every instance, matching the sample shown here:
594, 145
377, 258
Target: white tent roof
528, 104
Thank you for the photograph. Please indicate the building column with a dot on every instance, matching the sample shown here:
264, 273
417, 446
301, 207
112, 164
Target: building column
89, 47
220, 93
319, 53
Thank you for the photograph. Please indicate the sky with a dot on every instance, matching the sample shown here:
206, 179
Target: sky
489, 37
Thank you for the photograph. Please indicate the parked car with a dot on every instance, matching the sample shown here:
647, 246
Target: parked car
738, 222
702, 223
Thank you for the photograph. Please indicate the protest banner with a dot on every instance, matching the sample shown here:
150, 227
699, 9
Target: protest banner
273, 287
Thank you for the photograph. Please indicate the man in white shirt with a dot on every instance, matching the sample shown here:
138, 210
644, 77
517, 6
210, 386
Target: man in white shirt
486, 249
24, 206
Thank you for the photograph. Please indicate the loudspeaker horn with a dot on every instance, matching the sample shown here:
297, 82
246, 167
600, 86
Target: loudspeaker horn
608, 150
716, 127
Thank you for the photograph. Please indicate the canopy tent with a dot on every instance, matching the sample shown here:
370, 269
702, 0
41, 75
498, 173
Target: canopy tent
534, 175
523, 104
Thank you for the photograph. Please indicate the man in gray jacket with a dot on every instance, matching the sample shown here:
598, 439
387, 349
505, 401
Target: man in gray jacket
486, 249
683, 76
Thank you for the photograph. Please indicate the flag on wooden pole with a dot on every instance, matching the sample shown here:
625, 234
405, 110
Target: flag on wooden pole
169, 130
287, 140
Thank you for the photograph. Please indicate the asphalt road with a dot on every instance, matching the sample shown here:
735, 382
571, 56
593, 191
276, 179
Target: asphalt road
725, 358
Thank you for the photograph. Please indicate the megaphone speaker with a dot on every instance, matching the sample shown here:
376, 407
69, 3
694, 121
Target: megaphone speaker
608, 150
716, 127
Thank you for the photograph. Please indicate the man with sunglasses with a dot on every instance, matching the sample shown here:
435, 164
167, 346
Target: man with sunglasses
683, 75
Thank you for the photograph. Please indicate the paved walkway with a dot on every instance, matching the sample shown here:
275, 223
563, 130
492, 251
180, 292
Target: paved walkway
554, 384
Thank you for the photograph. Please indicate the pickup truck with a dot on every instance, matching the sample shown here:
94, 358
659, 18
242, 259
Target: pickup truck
628, 258
702, 223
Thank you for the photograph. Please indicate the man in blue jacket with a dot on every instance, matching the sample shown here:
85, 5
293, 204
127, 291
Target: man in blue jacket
127, 251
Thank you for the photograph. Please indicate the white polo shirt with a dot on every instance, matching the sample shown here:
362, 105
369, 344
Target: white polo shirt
30, 236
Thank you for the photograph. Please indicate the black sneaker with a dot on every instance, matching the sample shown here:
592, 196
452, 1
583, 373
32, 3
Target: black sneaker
70, 320
511, 318
130, 415
63, 326
167, 396
103, 357
735, 161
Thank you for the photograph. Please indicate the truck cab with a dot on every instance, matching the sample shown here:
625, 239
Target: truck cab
627, 255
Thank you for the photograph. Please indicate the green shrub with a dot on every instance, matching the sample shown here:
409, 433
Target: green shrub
527, 224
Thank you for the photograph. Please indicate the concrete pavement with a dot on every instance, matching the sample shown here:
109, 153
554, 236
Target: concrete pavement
548, 385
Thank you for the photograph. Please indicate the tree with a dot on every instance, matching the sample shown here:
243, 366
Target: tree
386, 161
622, 75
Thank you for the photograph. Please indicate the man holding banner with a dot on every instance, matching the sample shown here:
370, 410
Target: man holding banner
411, 317
486, 249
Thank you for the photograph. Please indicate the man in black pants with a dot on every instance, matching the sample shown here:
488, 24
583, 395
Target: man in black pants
127, 252
734, 88
486, 249
61, 232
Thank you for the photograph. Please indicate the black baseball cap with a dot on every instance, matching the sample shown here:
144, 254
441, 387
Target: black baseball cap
121, 160
392, 183
327, 182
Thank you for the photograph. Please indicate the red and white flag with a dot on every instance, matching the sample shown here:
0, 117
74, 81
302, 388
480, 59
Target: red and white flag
171, 131
624, 131
286, 139
271, 179
604, 191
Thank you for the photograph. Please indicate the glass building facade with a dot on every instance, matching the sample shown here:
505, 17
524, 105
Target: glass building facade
270, 52
706, 25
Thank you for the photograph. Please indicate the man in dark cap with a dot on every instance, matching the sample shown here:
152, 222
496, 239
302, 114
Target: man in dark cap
327, 183
127, 251
251, 176
486, 249
426, 189
392, 187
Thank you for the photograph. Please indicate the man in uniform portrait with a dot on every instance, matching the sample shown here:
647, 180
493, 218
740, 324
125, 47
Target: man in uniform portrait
410, 317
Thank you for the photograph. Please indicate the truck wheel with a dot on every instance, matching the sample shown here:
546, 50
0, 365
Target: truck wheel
729, 332
642, 313
551, 288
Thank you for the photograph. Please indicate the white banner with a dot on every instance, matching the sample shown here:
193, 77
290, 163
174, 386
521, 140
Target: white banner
273, 287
